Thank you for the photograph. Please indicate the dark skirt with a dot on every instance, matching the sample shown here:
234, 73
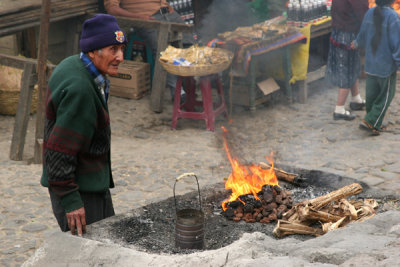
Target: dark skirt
344, 65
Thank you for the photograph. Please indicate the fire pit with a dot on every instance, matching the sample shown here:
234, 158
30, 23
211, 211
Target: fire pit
152, 228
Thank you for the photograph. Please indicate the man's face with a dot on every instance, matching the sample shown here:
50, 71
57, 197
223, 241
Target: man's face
108, 59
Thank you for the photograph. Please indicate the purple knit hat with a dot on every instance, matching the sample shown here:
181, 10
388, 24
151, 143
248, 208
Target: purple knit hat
100, 31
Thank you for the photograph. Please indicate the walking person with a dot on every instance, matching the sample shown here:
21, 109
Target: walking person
344, 64
76, 147
380, 36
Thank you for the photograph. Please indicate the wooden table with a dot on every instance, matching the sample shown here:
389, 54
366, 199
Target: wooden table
167, 31
251, 61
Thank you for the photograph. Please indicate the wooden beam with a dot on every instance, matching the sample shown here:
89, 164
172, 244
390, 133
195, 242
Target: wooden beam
25, 17
23, 111
126, 23
31, 43
19, 62
42, 81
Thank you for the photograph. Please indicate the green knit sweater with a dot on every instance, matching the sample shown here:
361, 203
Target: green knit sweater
77, 135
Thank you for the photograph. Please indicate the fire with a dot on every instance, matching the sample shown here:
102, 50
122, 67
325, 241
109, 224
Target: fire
247, 179
396, 5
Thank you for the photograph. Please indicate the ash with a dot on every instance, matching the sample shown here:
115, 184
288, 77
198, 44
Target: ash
152, 228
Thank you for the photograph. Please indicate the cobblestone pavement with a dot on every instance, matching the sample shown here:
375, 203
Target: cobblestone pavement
147, 155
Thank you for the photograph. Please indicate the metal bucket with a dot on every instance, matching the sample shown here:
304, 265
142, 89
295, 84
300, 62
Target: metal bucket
189, 227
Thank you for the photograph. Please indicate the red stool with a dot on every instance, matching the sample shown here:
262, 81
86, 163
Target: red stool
209, 113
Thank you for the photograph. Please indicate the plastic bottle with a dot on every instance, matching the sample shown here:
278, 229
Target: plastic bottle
317, 10
172, 4
298, 15
321, 10
328, 7
290, 14
305, 14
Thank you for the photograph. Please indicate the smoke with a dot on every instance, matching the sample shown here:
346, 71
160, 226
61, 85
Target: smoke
225, 15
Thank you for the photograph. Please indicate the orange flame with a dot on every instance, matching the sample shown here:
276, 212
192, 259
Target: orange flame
247, 179
395, 5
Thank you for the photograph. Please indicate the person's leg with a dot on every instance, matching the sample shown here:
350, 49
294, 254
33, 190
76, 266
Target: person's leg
356, 103
354, 89
380, 95
342, 96
340, 112
371, 92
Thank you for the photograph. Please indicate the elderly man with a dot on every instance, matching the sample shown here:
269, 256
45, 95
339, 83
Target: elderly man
76, 148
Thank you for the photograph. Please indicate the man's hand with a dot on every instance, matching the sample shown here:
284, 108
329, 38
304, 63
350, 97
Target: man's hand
76, 219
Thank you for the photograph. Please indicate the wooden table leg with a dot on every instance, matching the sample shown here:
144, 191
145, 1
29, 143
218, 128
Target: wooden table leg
252, 88
287, 72
160, 75
303, 91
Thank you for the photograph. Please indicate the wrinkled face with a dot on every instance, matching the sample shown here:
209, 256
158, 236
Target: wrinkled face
108, 58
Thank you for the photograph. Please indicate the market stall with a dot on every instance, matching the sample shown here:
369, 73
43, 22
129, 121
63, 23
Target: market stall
273, 41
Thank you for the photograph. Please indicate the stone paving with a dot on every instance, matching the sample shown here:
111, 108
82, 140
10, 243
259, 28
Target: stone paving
147, 155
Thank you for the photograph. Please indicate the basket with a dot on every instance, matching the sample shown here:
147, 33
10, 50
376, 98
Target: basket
198, 70
10, 91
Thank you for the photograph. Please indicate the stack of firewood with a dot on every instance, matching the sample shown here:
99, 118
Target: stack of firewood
326, 213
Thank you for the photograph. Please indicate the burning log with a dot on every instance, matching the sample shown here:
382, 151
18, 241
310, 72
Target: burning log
326, 213
285, 176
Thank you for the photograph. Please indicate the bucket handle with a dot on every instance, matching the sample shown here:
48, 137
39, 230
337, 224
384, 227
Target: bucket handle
184, 175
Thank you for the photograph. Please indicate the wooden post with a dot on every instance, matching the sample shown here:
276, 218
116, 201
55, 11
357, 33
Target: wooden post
160, 75
31, 43
253, 84
72, 35
23, 111
42, 81
303, 91
288, 72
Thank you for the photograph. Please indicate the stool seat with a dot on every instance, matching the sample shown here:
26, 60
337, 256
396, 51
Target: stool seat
210, 110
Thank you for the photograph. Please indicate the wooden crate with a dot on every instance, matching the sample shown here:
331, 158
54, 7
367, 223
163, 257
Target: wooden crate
9, 45
132, 81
